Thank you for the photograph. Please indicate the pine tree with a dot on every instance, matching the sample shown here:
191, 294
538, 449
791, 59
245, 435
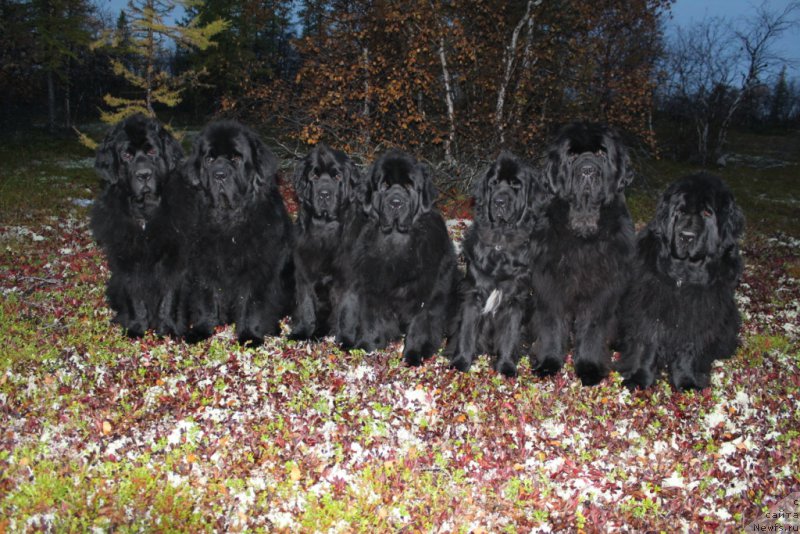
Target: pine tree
253, 50
61, 30
143, 43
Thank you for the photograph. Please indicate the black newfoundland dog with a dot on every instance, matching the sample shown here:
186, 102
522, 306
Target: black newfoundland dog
495, 296
581, 261
241, 262
327, 183
679, 312
132, 221
399, 265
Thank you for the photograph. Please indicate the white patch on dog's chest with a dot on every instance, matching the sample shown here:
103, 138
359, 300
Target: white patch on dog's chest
493, 302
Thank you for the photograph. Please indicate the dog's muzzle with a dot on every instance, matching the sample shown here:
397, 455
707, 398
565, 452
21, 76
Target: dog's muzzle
222, 184
324, 198
687, 238
587, 171
587, 194
143, 173
396, 209
502, 207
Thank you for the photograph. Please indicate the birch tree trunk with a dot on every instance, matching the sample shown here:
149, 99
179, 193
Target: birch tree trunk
509, 58
448, 98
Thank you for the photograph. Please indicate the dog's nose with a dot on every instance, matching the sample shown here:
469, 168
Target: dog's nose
324, 195
688, 236
500, 202
588, 171
219, 175
396, 203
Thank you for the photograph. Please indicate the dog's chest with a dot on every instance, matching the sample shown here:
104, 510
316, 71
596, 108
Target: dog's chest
315, 256
687, 310
499, 255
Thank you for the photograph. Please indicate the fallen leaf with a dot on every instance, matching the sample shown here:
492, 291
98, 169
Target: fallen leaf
295, 474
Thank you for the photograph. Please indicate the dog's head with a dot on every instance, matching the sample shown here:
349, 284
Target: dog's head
697, 218
503, 194
326, 182
398, 190
231, 164
588, 166
138, 154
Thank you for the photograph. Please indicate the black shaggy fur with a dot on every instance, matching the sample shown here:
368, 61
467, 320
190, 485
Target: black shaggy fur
133, 222
495, 296
679, 313
241, 262
326, 182
581, 261
399, 268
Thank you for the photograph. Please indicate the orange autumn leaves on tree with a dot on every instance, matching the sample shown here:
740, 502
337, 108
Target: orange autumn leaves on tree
466, 76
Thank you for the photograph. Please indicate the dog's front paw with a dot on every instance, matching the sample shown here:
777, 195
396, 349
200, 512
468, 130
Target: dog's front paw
461, 363
506, 368
547, 366
590, 373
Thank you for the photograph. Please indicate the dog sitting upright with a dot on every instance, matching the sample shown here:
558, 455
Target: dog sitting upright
132, 221
399, 266
495, 307
326, 182
241, 263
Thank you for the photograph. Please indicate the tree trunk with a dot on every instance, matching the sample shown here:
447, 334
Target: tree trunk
509, 57
722, 135
448, 98
67, 96
150, 59
51, 102
702, 140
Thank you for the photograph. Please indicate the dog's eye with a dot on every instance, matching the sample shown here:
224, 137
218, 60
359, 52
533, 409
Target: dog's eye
126, 155
515, 185
209, 160
152, 151
236, 158
313, 174
338, 177
707, 213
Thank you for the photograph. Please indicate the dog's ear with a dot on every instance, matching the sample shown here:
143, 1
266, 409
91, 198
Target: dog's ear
173, 152
428, 191
556, 168
193, 166
539, 194
625, 174
106, 161
302, 186
352, 180
264, 161
619, 159
366, 189
732, 222
664, 213
480, 192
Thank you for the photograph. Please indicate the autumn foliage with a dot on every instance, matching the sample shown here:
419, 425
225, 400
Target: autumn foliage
464, 77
